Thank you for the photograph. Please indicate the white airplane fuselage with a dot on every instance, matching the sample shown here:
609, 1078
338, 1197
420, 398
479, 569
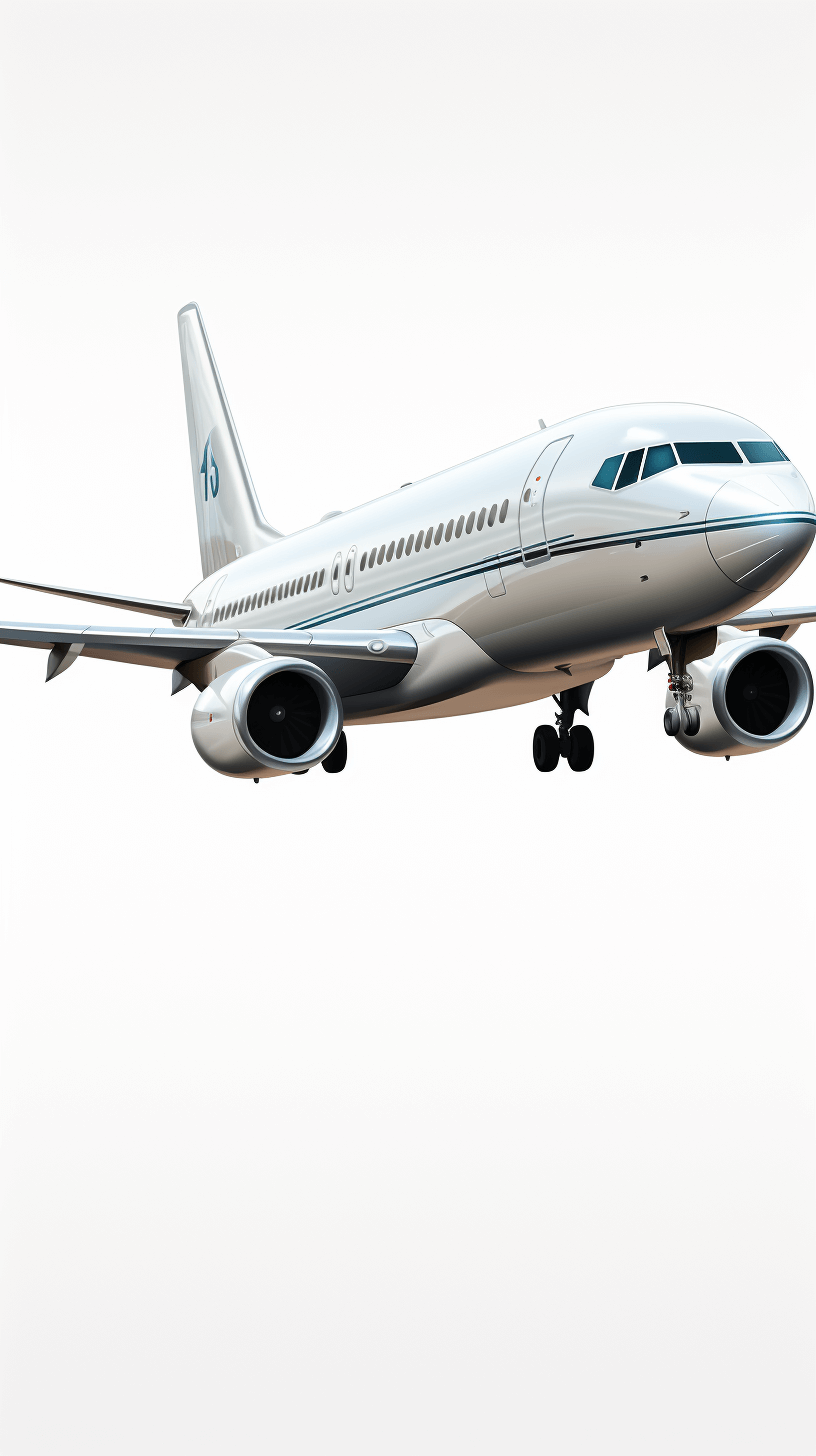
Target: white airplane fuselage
529, 576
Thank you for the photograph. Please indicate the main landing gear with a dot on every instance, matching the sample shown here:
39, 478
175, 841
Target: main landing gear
336, 761
575, 744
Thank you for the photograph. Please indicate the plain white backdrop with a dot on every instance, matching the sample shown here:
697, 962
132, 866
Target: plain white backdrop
437, 1108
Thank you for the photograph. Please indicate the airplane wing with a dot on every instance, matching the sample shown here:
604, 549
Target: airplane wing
177, 611
356, 661
773, 621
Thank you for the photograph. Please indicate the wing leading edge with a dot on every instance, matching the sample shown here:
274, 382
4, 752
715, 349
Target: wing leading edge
773, 621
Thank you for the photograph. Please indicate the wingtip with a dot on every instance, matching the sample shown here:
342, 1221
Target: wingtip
187, 309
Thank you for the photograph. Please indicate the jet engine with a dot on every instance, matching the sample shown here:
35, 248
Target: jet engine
752, 693
267, 718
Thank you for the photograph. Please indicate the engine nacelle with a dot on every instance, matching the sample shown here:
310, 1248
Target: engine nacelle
752, 693
266, 718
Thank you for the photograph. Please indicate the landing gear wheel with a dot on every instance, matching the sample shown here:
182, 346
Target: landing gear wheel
671, 721
581, 749
691, 725
546, 748
336, 760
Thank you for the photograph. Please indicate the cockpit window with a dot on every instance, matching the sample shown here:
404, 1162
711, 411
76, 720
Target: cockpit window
631, 469
606, 475
713, 452
761, 452
658, 457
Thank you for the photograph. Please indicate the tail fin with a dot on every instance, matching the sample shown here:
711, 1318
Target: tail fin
230, 520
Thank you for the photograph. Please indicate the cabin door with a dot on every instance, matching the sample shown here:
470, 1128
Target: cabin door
209, 610
532, 531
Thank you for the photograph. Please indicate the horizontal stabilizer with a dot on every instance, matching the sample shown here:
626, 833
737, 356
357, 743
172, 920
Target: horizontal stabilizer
176, 611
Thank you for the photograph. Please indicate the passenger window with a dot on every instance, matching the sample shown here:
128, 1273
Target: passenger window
400, 545
314, 581
381, 556
300, 586
471, 518
363, 560
503, 512
390, 552
761, 452
274, 594
428, 537
658, 457
631, 469
409, 545
349, 576
710, 452
322, 576
335, 575
605, 478
481, 519
266, 598
527, 494
449, 530
459, 524
491, 518
438, 537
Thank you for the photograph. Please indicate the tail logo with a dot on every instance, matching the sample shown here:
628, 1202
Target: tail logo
209, 470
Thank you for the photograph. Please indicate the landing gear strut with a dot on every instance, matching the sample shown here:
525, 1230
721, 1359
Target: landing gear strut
683, 716
575, 744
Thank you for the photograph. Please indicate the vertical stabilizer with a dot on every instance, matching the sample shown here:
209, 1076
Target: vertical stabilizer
230, 520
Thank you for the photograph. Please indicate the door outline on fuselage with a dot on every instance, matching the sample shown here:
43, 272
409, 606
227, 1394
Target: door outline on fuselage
209, 606
532, 530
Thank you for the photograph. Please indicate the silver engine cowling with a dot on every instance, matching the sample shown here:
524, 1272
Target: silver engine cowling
266, 718
752, 693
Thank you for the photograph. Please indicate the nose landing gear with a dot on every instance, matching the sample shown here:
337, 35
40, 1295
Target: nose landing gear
575, 744
683, 716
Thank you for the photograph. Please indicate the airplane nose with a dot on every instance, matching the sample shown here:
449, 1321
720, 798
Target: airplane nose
758, 530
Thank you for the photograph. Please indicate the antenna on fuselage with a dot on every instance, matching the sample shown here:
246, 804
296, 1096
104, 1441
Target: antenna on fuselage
541, 425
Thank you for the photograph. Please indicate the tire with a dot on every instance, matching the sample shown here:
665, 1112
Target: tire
546, 748
335, 762
671, 721
691, 726
581, 749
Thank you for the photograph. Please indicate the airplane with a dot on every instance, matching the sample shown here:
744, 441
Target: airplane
522, 574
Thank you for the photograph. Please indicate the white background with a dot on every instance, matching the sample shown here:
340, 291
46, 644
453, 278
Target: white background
438, 1107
